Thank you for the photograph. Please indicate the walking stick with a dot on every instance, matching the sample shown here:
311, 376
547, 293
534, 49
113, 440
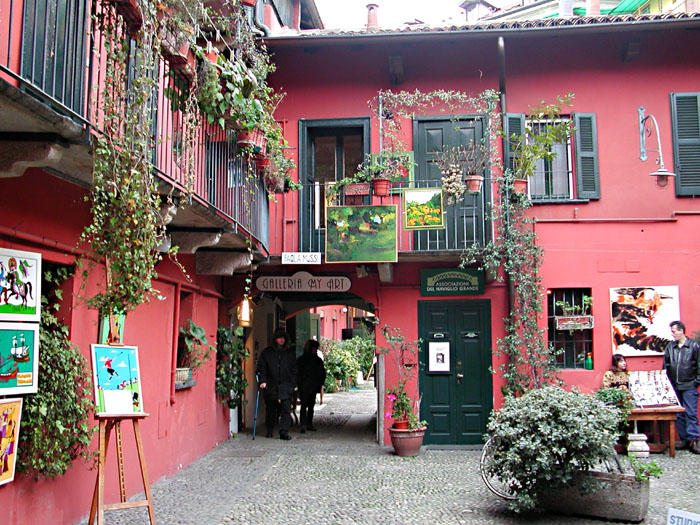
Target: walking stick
257, 400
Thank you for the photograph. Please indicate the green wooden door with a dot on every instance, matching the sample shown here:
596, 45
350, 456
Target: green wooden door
464, 220
457, 402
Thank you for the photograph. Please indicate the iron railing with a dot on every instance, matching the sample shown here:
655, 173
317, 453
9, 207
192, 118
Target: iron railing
465, 221
53, 50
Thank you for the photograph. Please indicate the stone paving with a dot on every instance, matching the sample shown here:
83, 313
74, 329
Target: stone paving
339, 475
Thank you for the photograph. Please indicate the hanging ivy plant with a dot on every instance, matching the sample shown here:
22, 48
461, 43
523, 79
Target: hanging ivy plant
126, 226
55, 424
530, 362
231, 353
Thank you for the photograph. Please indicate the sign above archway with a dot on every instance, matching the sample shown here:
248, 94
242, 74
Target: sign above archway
303, 282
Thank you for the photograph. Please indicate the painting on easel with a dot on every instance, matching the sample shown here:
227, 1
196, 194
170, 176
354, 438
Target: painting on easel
10, 416
115, 372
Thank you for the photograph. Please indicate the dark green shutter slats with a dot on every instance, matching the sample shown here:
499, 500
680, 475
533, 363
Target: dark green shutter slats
514, 125
587, 172
685, 116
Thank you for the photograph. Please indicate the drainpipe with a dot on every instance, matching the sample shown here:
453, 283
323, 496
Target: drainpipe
504, 145
176, 330
259, 18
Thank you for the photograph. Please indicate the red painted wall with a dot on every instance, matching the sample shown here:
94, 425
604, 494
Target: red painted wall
173, 435
636, 234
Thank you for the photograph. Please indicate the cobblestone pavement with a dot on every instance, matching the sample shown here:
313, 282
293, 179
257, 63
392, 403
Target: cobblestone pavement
339, 475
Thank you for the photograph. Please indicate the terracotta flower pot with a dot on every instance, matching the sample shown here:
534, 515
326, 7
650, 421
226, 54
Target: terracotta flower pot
407, 442
401, 424
520, 185
254, 139
250, 3
380, 187
474, 182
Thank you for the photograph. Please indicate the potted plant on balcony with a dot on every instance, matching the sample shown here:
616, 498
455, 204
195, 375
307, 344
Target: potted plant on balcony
407, 430
462, 169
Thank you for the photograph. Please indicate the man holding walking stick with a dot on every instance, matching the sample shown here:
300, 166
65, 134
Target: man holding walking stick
277, 370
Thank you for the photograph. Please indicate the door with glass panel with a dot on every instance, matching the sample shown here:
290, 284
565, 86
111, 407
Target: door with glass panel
329, 150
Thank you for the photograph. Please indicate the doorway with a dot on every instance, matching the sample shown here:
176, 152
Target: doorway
457, 393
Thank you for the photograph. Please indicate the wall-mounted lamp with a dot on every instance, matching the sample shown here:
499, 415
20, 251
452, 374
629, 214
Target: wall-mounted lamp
661, 174
344, 310
244, 313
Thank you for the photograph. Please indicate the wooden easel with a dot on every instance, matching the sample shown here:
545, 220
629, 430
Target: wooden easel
107, 423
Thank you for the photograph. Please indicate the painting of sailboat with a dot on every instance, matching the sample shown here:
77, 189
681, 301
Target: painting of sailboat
19, 358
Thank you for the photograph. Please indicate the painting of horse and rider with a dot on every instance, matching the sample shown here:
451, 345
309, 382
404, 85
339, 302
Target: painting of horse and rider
20, 285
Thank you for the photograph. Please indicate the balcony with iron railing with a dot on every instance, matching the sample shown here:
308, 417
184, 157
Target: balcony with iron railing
52, 51
298, 221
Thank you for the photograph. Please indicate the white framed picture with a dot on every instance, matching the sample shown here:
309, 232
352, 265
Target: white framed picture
438, 356
20, 286
640, 318
117, 380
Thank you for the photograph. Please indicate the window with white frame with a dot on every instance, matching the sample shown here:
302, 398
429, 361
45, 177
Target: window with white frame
553, 178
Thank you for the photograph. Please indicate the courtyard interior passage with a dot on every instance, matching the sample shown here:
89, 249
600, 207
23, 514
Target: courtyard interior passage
339, 475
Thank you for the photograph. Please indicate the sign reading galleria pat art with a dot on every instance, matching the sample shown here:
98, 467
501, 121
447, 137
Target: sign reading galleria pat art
302, 282
448, 281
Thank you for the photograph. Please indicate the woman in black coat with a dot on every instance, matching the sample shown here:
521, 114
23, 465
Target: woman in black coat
311, 374
277, 370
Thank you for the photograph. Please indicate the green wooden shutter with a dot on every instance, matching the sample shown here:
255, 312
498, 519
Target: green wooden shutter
514, 125
587, 174
685, 116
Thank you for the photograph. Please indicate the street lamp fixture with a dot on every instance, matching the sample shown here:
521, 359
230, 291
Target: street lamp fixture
661, 174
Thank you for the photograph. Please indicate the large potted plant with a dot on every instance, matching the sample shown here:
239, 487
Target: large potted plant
407, 430
546, 445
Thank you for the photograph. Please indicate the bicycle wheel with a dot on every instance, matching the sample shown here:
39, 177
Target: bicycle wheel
496, 485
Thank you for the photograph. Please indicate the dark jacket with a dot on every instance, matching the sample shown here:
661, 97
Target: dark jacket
311, 374
277, 366
683, 368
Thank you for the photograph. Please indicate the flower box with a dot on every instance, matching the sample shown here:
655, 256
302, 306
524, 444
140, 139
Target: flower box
606, 495
183, 375
357, 188
573, 322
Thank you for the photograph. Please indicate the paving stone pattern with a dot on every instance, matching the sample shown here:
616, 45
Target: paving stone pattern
339, 475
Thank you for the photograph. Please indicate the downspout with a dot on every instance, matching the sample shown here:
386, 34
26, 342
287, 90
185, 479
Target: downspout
176, 330
259, 17
504, 146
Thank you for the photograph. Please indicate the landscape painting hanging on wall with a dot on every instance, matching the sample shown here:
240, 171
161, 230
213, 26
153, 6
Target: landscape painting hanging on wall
20, 285
361, 234
640, 318
423, 209
10, 416
19, 358
117, 380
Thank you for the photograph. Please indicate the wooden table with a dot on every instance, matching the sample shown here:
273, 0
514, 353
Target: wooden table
657, 414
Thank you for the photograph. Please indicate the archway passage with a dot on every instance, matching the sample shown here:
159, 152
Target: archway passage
343, 324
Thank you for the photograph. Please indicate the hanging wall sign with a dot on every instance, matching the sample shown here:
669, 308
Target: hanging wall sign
451, 281
302, 282
438, 356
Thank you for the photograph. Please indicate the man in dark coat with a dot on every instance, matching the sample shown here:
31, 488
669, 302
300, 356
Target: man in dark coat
277, 370
311, 376
682, 364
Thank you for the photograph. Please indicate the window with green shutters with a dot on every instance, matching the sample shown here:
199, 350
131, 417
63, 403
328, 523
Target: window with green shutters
685, 118
573, 174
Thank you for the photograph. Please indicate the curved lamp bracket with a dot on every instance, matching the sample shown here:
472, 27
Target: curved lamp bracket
661, 174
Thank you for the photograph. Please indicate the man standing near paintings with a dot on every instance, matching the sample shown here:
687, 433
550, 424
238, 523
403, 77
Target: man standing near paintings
682, 364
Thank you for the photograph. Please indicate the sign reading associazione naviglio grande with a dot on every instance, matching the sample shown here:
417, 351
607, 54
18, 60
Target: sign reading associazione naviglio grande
451, 281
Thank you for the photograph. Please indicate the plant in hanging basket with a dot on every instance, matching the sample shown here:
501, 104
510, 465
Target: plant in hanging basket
461, 168
474, 182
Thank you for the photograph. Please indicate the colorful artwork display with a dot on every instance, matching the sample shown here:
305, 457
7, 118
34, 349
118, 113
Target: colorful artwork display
361, 234
103, 335
423, 209
117, 380
19, 358
651, 388
10, 416
640, 318
20, 285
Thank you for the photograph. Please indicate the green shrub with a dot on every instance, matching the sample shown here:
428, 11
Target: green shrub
363, 349
542, 439
231, 353
341, 363
619, 398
